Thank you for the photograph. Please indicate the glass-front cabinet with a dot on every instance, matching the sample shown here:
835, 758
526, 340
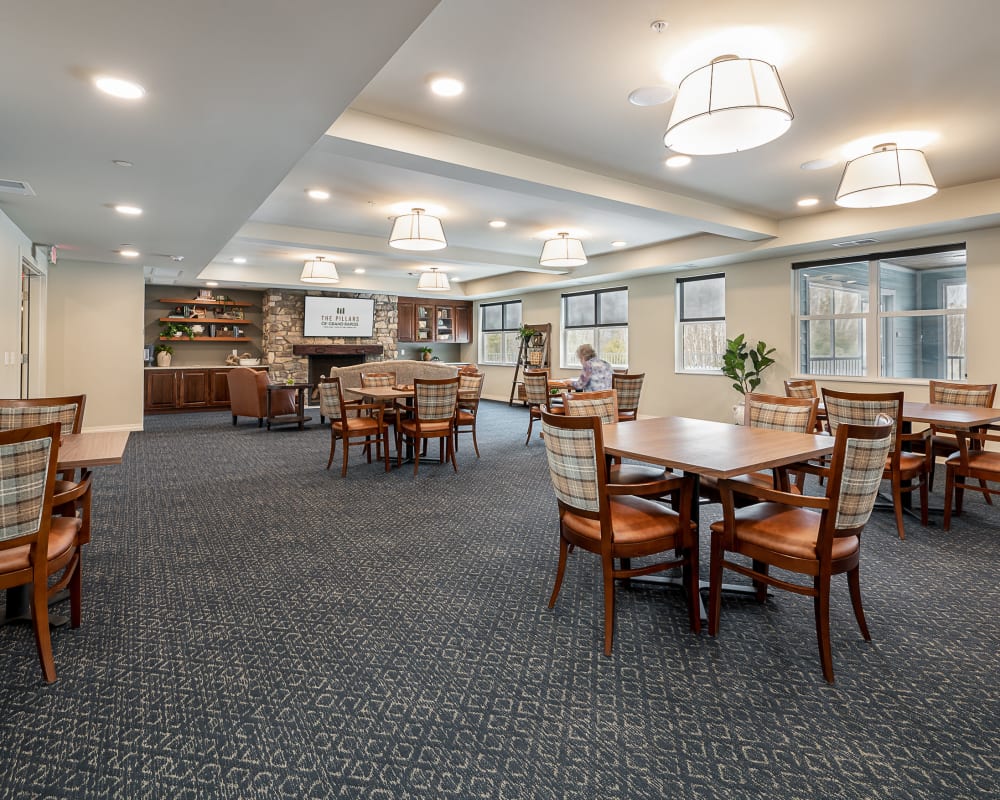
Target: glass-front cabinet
445, 324
424, 320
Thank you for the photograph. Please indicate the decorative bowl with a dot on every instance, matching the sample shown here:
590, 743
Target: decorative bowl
249, 362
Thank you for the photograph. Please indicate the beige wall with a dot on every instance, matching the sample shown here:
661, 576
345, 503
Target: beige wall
95, 340
759, 303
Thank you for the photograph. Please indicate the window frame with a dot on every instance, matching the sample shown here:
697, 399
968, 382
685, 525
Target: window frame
504, 330
875, 321
680, 320
567, 358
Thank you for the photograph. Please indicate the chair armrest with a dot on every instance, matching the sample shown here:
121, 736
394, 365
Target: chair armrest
919, 436
727, 487
665, 486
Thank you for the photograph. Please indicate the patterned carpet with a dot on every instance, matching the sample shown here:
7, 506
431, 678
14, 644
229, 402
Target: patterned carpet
258, 627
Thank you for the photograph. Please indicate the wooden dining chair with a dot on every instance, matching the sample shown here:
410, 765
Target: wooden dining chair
35, 544
971, 460
355, 424
434, 409
943, 441
536, 395
794, 414
818, 537
600, 518
629, 387
72, 491
390, 412
861, 408
470, 390
806, 387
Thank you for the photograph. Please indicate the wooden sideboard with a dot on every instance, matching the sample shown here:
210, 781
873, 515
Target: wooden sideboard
170, 389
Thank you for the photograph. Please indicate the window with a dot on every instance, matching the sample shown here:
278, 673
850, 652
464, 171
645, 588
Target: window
597, 318
498, 332
888, 315
701, 323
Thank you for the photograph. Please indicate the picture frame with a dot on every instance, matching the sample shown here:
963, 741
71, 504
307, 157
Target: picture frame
204, 294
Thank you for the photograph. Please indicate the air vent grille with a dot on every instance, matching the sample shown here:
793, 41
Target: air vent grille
16, 187
855, 242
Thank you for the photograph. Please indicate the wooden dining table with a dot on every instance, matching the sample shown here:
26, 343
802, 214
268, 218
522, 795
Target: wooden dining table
82, 451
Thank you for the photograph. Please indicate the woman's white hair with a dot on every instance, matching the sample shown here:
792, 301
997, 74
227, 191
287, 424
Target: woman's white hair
585, 352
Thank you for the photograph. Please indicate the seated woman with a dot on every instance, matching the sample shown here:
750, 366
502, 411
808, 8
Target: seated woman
596, 373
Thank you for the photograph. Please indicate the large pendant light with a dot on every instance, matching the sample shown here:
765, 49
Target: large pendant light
563, 251
319, 270
433, 281
729, 105
417, 231
887, 176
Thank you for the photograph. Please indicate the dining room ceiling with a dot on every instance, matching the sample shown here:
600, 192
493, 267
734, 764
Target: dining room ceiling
250, 106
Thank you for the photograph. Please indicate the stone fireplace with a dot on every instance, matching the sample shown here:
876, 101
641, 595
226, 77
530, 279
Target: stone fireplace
289, 353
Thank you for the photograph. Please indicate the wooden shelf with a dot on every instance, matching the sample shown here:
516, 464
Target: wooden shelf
205, 339
204, 320
189, 302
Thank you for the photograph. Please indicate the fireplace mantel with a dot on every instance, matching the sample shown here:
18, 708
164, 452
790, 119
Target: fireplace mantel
336, 349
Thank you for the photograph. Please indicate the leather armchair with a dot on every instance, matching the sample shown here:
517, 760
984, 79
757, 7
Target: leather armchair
248, 395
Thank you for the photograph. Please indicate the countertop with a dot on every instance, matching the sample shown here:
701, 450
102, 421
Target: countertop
201, 366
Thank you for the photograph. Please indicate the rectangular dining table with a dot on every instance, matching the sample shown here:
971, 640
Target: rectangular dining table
82, 451
716, 449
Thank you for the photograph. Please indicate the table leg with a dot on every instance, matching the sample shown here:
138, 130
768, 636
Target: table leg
18, 608
267, 406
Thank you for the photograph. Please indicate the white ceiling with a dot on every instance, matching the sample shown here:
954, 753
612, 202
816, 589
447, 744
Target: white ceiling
231, 133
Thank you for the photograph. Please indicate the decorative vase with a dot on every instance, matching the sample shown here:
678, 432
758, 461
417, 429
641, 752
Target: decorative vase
163, 359
426, 356
739, 412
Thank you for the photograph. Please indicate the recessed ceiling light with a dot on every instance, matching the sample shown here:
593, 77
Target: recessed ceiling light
674, 162
444, 86
211, 283
318, 194
127, 251
117, 87
359, 271
129, 211
805, 202
121, 163
818, 163
239, 260
619, 243
498, 223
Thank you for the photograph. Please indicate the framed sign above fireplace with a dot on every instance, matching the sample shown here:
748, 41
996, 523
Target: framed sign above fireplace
339, 316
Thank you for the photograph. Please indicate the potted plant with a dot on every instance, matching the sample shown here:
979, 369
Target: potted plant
743, 364
176, 330
526, 333
164, 352
425, 353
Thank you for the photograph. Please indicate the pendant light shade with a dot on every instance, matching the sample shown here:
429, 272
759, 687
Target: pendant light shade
563, 252
319, 271
729, 105
886, 176
417, 231
433, 281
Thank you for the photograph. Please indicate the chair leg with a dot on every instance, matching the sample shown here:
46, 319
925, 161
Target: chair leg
608, 572
385, 444
531, 421
854, 584
821, 607
760, 586
924, 499
897, 505
40, 621
986, 492
347, 453
416, 456
475, 444
333, 447
560, 571
715, 585
959, 493
234, 419
451, 454
694, 595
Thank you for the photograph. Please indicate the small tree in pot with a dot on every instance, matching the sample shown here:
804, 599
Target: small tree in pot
743, 365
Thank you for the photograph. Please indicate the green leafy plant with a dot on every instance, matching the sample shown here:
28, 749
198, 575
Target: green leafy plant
735, 366
423, 350
171, 329
526, 333
164, 348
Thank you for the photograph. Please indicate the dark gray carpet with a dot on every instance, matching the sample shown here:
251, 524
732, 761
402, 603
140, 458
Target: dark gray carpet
258, 627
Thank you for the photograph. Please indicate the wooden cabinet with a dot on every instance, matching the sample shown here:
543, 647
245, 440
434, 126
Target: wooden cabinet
187, 389
433, 322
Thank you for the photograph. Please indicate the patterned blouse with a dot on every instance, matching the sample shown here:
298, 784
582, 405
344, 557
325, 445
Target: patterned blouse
595, 376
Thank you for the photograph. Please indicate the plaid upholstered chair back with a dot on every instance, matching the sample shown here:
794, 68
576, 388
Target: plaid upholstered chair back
67, 411
850, 408
471, 382
859, 459
27, 474
435, 400
371, 380
331, 398
536, 387
797, 414
801, 387
602, 404
963, 394
629, 387
572, 446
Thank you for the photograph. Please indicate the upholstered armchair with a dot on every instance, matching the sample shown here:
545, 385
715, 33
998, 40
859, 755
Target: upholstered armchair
248, 395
